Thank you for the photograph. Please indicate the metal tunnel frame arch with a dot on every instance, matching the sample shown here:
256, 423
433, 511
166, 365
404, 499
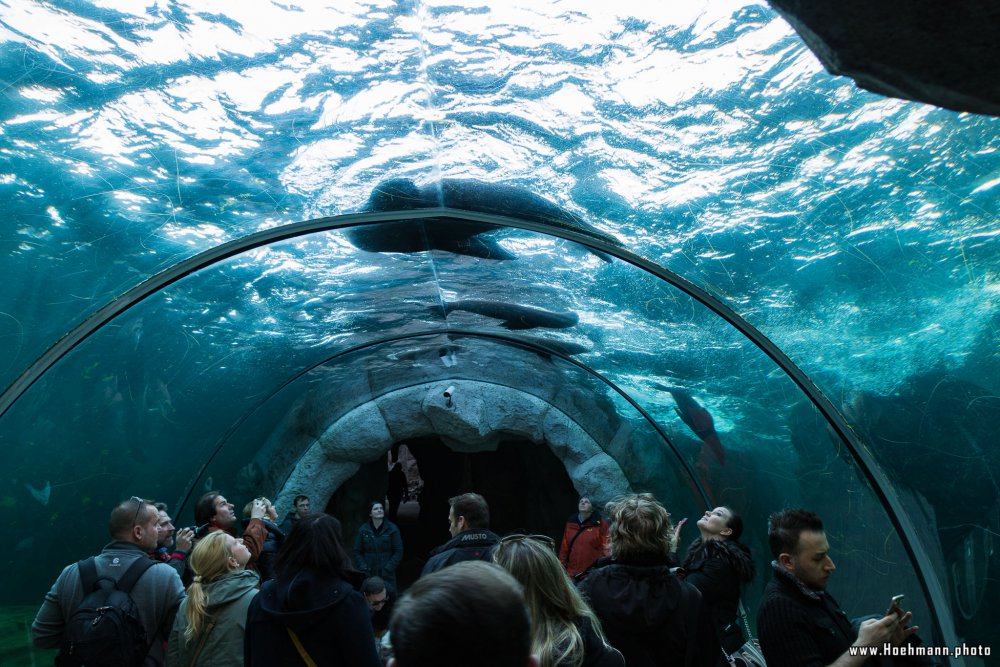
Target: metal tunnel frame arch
884, 491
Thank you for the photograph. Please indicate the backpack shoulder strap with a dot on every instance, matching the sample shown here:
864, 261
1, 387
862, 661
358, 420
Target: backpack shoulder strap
88, 574
132, 574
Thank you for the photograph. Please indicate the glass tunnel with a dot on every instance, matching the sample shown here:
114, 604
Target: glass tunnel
263, 251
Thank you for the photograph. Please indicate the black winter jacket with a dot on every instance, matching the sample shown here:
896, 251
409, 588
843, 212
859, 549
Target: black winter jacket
378, 551
474, 544
718, 568
330, 618
649, 614
595, 652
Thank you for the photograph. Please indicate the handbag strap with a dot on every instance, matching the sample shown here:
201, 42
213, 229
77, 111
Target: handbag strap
569, 549
747, 638
746, 623
201, 644
300, 648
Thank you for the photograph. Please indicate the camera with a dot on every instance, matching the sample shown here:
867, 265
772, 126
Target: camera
198, 531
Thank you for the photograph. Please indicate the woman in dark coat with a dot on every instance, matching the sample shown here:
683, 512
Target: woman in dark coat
648, 613
310, 608
378, 549
717, 564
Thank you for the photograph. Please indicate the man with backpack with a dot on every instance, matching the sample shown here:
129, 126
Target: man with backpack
114, 609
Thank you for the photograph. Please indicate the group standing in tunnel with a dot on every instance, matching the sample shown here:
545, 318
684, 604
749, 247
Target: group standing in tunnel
633, 605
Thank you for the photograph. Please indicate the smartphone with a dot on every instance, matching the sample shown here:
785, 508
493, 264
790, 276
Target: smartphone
895, 605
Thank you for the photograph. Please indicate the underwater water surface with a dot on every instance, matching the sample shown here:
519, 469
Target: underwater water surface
856, 232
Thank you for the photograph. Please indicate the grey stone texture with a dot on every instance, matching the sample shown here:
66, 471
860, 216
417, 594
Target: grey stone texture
475, 418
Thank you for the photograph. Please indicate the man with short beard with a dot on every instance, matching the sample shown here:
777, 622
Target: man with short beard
134, 528
800, 623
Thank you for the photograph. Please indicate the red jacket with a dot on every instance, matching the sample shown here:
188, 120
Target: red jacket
583, 543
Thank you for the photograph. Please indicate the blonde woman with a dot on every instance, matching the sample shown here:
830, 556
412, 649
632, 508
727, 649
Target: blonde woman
647, 612
564, 631
209, 627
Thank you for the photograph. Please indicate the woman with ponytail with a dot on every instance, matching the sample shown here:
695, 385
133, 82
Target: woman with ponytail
209, 627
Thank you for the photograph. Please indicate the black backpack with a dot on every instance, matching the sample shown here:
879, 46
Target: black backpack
105, 629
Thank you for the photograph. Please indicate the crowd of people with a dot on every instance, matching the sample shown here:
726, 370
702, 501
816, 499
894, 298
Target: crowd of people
611, 594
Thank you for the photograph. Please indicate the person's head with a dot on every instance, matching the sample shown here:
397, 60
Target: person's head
720, 523
314, 543
638, 526
375, 592
376, 510
215, 509
467, 511
216, 555
472, 608
166, 526
553, 601
799, 545
585, 507
270, 513
136, 520
301, 504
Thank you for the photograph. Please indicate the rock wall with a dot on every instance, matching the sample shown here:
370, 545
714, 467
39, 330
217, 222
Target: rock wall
468, 416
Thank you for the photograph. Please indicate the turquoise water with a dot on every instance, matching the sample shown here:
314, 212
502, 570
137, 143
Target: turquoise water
858, 233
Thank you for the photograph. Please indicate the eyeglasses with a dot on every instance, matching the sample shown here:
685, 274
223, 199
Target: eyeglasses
519, 537
140, 503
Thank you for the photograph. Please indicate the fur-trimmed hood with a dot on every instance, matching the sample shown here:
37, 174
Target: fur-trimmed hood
735, 553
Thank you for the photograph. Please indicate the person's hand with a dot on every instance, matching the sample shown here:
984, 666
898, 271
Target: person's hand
259, 509
889, 629
903, 630
677, 534
184, 539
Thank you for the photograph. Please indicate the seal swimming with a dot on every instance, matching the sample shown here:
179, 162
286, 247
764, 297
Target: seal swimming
457, 236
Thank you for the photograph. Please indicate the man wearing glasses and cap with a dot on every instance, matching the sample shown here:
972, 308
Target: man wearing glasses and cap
134, 529
471, 537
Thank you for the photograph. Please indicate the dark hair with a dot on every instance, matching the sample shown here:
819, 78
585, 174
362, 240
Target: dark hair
785, 527
468, 609
372, 585
373, 504
473, 507
127, 514
204, 509
314, 543
161, 507
734, 524
295, 503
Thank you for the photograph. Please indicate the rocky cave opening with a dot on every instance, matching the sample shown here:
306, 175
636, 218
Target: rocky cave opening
526, 485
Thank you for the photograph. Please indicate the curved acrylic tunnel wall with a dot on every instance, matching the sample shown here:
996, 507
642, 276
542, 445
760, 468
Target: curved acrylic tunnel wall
860, 233
243, 375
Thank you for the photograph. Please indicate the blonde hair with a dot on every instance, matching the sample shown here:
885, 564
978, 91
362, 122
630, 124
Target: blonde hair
209, 560
553, 602
638, 525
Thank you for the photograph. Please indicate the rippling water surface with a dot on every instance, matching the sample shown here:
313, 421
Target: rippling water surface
706, 138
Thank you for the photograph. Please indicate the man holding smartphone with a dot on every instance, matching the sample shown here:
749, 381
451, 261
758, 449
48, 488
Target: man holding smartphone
799, 622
